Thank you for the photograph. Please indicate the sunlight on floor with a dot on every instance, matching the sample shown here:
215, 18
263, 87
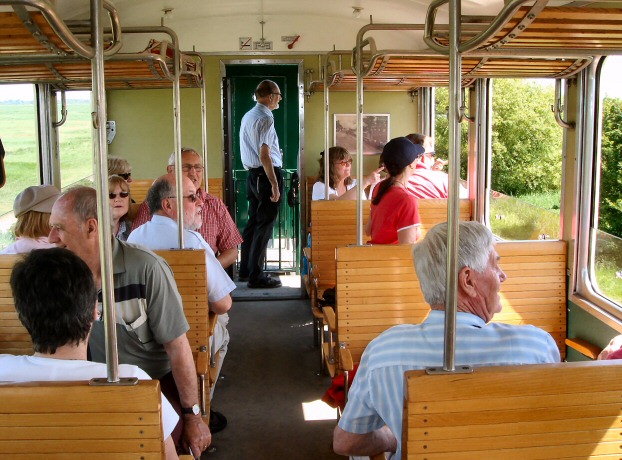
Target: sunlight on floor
318, 410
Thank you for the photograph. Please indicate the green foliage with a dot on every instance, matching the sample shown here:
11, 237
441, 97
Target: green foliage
610, 215
441, 132
526, 140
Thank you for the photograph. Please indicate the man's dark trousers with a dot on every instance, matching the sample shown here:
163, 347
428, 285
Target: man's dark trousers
262, 214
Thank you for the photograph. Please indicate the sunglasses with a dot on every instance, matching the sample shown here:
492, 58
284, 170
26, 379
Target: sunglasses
112, 196
344, 162
191, 197
125, 176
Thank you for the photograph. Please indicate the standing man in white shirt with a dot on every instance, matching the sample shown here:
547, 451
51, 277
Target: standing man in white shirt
262, 157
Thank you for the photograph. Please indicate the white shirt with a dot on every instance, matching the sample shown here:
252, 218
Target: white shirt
21, 369
161, 233
25, 245
319, 190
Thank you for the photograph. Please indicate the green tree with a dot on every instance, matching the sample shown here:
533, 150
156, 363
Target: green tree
610, 215
441, 132
526, 140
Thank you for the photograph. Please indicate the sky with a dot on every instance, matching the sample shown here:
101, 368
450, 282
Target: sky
611, 86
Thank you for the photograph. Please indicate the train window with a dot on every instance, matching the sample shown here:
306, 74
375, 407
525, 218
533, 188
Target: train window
606, 244
526, 161
76, 141
19, 138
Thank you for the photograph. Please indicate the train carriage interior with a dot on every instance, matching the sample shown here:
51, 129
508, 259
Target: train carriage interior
522, 100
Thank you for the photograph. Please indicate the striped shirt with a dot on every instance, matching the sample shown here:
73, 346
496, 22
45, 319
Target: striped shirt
257, 128
376, 396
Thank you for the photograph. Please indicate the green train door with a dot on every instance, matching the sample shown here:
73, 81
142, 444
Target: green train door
239, 85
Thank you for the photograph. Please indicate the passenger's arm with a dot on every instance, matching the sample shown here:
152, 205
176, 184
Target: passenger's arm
196, 433
408, 235
266, 161
169, 449
228, 257
368, 180
221, 306
369, 444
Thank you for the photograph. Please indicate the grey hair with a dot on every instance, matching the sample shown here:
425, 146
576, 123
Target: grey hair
171, 159
159, 190
84, 204
475, 243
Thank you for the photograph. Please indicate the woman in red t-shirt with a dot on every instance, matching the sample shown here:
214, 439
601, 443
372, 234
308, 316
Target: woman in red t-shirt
394, 214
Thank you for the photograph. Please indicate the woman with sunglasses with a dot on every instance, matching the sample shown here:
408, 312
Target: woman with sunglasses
120, 205
341, 186
394, 213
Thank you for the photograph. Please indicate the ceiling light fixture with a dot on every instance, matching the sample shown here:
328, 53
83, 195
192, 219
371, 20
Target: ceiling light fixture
356, 11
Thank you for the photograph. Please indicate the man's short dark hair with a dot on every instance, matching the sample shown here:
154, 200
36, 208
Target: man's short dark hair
158, 191
55, 295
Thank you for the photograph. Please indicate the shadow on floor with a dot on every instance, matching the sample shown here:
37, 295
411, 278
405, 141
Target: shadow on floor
270, 370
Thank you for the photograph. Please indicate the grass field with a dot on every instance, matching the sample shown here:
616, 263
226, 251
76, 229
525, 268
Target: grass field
19, 137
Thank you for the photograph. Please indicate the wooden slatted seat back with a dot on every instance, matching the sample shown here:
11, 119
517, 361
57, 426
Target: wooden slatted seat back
14, 338
545, 412
377, 288
333, 223
140, 187
535, 292
190, 273
73, 420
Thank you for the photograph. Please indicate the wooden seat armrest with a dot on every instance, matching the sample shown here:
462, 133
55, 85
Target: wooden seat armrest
373, 457
345, 359
213, 319
329, 317
189, 457
203, 361
584, 347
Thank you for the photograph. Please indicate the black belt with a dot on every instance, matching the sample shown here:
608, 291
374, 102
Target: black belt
261, 168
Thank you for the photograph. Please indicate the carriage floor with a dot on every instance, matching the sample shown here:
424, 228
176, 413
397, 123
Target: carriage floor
270, 370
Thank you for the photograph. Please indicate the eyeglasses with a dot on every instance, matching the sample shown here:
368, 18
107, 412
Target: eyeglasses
432, 154
278, 94
344, 162
125, 176
112, 196
192, 197
187, 168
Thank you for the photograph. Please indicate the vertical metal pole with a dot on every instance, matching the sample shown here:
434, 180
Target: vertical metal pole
204, 131
359, 142
453, 205
326, 130
177, 141
100, 160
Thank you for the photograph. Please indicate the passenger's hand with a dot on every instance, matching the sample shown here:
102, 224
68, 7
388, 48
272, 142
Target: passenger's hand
196, 434
439, 164
373, 178
614, 345
275, 193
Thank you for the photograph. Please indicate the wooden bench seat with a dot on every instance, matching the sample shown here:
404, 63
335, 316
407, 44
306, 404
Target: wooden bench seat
73, 420
190, 276
546, 411
377, 288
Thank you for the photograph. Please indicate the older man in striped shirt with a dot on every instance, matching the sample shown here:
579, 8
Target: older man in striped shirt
372, 420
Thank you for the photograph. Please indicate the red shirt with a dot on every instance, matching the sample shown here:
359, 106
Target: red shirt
396, 211
428, 183
218, 227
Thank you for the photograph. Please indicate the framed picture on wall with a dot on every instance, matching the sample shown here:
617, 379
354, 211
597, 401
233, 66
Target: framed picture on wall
375, 132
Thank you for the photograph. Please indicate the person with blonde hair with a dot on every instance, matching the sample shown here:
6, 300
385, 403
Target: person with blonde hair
119, 196
341, 186
32, 207
120, 167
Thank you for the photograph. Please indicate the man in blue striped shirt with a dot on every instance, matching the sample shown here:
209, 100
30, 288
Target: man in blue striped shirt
372, 420
262, 157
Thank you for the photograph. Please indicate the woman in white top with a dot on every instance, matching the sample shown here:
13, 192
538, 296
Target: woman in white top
32, 207
340, 185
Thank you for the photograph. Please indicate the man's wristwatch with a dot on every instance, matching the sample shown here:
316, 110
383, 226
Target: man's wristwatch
194, 410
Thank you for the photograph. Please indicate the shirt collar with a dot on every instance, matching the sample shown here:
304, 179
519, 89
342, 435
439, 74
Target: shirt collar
462, 317
264, 109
